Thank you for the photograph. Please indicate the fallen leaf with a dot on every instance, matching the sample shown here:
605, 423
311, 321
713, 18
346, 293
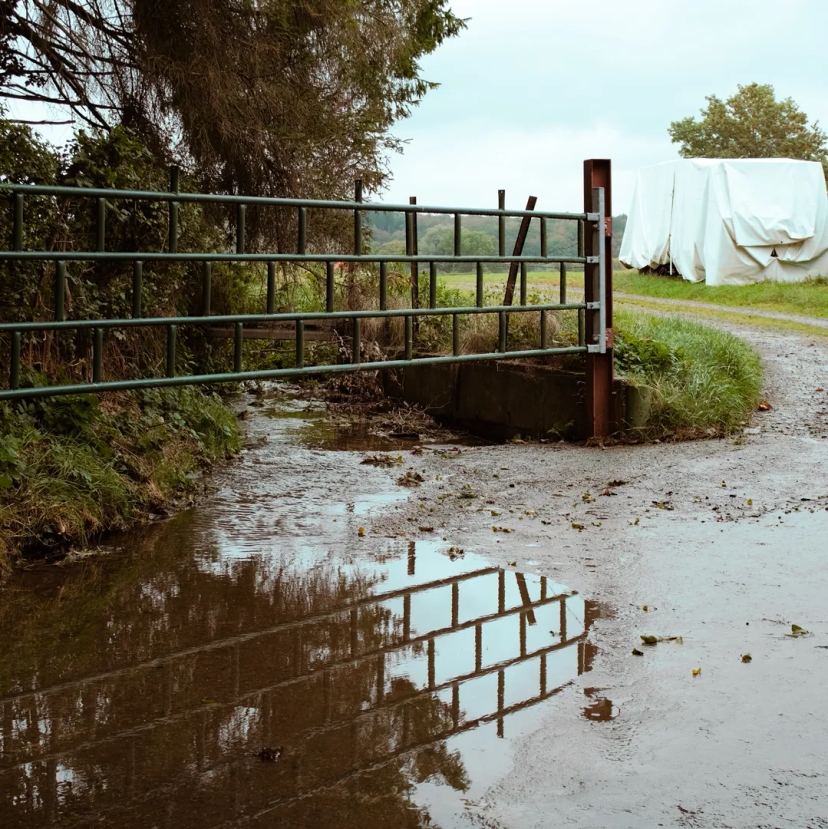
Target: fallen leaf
746, 657
636, 652
577, 526
696, 671
381, 460
649, 640
426, 529
361, 532
764, 406
512, 563
645, 608
410, 479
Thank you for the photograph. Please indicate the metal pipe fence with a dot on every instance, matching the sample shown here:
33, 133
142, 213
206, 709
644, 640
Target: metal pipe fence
99, 201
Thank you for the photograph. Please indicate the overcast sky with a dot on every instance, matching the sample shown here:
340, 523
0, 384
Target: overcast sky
533, 87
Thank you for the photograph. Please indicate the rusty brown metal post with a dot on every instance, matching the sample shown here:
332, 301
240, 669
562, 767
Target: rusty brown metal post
599, 368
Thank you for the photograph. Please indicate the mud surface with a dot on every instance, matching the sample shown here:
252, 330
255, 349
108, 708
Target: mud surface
302, 649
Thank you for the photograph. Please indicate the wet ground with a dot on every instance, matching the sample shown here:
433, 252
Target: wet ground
261, 660
319, 645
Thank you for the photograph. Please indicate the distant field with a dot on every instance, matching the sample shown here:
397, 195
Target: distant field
806, 298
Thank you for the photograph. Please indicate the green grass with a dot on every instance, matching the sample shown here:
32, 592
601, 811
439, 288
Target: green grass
701, 381
734, 317
73, 467
809, 298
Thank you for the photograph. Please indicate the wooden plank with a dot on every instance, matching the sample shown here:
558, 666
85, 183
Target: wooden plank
518, 251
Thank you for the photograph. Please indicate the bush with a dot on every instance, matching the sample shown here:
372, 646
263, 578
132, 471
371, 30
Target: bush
103, 289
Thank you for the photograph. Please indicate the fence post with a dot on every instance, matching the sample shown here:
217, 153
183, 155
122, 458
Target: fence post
415, 270
599, 367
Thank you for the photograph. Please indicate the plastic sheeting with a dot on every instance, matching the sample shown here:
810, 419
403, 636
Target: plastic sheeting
730, 221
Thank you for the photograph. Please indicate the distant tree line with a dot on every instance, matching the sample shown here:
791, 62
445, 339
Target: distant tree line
435, 235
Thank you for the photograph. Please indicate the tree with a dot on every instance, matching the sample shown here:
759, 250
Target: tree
439, 240
751, 124
273, 97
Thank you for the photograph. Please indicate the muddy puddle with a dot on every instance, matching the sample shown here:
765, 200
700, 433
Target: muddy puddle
257, 661
311, 425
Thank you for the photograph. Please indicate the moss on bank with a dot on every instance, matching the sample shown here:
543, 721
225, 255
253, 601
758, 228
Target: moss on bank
73, 467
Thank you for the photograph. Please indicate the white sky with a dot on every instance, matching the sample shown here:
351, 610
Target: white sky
525, 97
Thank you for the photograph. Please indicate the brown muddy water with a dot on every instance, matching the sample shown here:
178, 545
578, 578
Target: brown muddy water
255, 661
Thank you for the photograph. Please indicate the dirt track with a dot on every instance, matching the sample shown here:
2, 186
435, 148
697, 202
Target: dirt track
727, 539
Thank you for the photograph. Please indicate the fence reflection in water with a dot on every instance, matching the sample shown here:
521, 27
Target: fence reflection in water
363, 694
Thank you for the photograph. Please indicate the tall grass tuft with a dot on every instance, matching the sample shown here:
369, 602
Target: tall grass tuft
702, 381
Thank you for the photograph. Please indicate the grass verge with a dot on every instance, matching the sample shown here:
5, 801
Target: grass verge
735, 317
73, 467
700, 381
808, 298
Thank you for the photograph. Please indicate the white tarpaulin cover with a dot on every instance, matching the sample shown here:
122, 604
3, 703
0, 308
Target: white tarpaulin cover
730, 221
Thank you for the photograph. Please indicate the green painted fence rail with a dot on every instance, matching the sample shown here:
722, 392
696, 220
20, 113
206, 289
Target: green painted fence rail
13, 333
